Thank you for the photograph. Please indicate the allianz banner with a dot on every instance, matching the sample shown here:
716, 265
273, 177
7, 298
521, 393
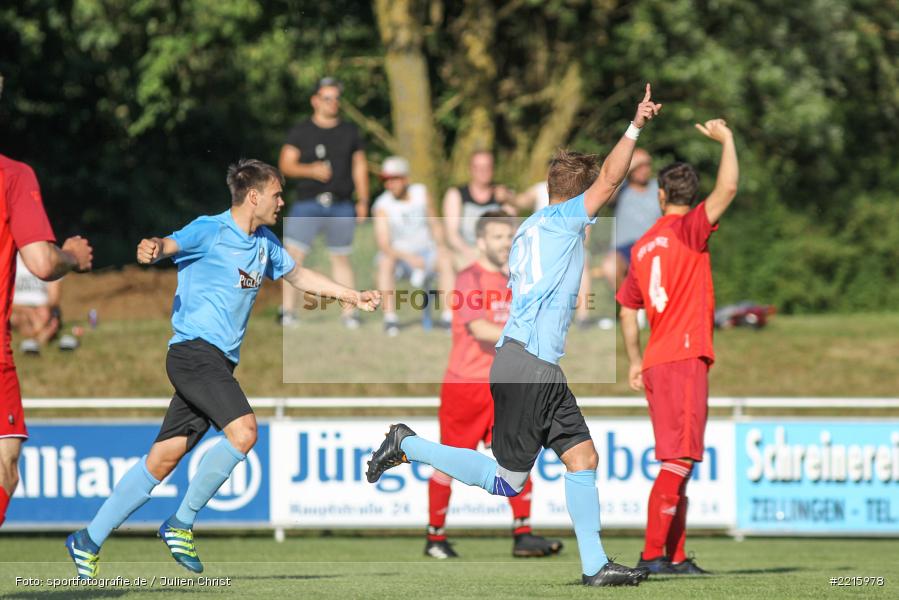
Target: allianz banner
318, 478
67, 471
821, 476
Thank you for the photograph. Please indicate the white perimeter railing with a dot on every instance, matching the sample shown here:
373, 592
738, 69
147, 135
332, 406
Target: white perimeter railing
736, 404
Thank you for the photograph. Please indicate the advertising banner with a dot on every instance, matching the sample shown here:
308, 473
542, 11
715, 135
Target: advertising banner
822, 476
67, 471
318, 478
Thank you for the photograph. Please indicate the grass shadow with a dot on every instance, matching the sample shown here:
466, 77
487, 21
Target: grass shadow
766, 571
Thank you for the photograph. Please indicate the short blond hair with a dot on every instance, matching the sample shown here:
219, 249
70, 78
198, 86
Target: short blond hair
571, 173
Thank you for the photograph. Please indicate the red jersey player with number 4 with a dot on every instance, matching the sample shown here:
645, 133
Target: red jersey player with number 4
671, 277
480, 301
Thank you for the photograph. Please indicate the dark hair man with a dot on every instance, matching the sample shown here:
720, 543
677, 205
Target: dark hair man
327, 158
671, 277
221, 262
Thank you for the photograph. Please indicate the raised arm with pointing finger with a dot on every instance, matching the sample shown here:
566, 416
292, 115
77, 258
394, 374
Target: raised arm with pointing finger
614, 168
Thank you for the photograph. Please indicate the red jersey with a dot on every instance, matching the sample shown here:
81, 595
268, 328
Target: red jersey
478, 294
22, 222
671, 276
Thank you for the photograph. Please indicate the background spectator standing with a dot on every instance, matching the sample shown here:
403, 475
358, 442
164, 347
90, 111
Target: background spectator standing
326, 157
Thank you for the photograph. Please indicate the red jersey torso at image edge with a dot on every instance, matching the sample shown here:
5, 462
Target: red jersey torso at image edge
670, 275
478, 294
22, 222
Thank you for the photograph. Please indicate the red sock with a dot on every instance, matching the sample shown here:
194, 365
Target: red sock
439, 491
521, 509
663, 504
4, 502
677, 534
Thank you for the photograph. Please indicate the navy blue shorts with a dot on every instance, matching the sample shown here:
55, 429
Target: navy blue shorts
308, 218
205, 391
533, 408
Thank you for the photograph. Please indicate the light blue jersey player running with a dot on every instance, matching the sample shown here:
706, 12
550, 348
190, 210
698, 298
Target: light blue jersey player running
533, 406
221, 260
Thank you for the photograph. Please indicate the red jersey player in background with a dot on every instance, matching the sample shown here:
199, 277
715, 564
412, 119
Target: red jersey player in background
671, 276
24, 228
480, 302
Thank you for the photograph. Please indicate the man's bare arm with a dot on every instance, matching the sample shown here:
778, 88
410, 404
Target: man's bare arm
289, 164
382, 239
728, 171
434, 223
452, 220
49, 262
630, 331
382, 233
307, 280
360, 181
614, 168
485, 331
526, 200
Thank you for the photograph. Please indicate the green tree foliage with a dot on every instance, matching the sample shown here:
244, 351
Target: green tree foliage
131, 109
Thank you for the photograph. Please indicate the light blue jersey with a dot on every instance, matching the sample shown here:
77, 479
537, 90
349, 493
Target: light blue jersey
220, 269
546, 263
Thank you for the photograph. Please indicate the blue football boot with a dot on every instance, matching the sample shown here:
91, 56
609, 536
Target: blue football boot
84, 553
181, 544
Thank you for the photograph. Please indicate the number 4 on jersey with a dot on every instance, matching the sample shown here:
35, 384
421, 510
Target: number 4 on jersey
657, 295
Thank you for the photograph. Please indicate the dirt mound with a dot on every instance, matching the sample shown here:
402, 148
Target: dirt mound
133, 292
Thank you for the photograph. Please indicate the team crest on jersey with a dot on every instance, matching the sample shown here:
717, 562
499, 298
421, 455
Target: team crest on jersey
248, 281
262, 256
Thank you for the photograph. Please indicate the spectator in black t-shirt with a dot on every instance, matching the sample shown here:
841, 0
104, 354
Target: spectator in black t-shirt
326, 157
463, 205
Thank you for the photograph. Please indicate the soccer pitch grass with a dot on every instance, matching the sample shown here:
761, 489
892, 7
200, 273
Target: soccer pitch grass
824, 355
393, 567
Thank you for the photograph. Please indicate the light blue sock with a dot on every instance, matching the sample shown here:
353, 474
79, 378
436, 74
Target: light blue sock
583, 508
214, 469
132, 491
468, 466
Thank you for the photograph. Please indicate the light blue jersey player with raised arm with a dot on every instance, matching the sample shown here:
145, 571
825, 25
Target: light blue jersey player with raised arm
547, 252
533, 406
221, 260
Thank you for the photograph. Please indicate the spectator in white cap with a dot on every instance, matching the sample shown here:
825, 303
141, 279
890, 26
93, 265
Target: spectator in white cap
410, 240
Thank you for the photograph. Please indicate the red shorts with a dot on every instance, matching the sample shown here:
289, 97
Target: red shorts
12, 417
678, 396
466, 414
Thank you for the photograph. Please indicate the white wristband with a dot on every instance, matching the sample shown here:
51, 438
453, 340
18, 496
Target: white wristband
632, 132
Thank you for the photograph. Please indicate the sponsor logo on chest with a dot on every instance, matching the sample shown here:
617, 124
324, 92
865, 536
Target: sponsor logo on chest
658, 242
253, 279
248, 281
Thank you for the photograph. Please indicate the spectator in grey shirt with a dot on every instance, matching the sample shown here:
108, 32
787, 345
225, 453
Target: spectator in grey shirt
636, 210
